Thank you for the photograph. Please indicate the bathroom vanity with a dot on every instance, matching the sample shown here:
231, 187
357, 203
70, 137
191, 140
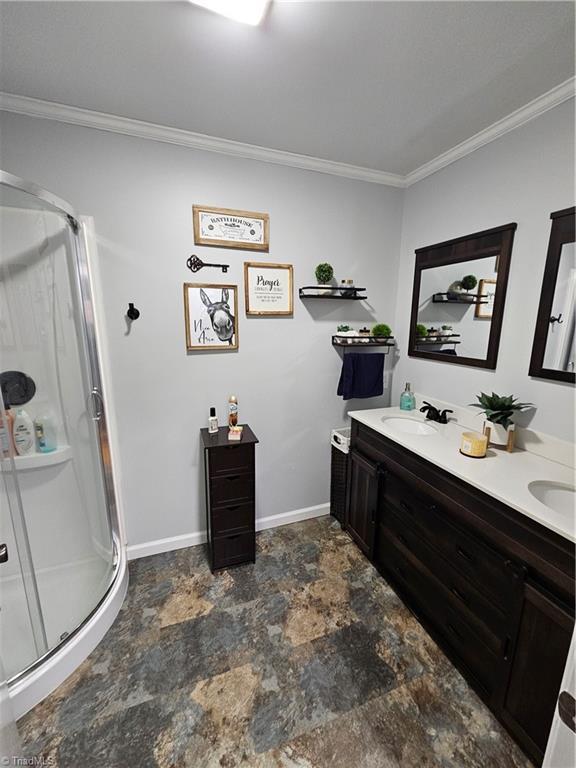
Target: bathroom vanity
470, 551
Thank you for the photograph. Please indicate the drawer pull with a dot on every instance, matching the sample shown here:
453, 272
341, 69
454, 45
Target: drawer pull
459, 595
506, 648
454, 631
233, 509
230, 478
463, 554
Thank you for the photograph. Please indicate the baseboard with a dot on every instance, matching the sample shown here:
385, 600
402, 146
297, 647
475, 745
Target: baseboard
157, 546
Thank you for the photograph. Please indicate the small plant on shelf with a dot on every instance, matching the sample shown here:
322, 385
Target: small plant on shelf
324, 273
469, 282
344, 328
381, 330
421, 331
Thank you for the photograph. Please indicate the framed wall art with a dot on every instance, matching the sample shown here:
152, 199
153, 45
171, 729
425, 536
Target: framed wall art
228, 228
268, 289
486, 292
211, 316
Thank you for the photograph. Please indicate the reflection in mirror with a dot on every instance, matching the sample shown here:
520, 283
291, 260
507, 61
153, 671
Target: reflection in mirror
560, 351
455, 307
554, 348
458, 298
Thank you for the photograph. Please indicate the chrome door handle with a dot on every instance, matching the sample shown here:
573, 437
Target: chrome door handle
3, 553
97, 404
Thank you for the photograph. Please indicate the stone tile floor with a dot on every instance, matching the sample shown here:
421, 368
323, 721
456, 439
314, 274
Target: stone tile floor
306, 659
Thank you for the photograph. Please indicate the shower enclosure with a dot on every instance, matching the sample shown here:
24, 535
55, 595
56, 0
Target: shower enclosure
60, 557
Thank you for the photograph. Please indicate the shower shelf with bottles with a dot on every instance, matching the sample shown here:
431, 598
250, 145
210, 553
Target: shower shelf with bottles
61, 455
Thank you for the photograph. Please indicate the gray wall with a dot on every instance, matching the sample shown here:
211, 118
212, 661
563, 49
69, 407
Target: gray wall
522, 177
285, 373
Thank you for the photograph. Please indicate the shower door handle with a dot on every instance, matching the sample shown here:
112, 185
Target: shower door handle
3, 553
97, 404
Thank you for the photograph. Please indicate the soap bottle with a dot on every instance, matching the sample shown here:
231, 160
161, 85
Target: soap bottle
23, 431
232, 411
212, 422
407, 399
45, 429
6, 432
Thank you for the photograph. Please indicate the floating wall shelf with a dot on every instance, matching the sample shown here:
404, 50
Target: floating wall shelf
459, 298
345, 294
362, 341
429, 343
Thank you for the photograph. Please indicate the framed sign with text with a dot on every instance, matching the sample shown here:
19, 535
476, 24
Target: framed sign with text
268, 289
228, 228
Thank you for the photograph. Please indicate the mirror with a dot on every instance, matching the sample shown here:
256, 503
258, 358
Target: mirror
458, 299
554, 349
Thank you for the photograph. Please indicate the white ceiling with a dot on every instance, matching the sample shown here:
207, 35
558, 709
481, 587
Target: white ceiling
382, 85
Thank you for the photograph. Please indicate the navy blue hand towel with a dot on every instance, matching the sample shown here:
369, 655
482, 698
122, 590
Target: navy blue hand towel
362, 375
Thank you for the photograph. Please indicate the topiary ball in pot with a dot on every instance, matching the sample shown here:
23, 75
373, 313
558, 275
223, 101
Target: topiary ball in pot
469, 282
381, 329
421, 331
324, 273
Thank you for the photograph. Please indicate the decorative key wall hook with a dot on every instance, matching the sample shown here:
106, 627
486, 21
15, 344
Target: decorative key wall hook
195, 264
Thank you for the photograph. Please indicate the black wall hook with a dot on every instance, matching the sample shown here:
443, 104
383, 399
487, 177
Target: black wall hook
132, 313
557, 319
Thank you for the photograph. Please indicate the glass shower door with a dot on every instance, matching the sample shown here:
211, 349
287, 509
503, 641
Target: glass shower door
61, 485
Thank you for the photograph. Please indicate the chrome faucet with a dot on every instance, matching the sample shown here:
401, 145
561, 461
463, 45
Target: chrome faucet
434, 414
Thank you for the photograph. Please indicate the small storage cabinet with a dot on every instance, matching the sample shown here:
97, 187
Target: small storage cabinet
230, 497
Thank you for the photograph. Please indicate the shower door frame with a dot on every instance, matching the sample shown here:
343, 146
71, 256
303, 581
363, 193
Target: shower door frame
89, 334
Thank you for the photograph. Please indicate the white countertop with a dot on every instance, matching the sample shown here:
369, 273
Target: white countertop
502, 475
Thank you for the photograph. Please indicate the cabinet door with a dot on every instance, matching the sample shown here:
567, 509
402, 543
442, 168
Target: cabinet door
536, 669
362, 501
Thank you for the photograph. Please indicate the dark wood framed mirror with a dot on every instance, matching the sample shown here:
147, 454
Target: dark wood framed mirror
554, 348
458, 298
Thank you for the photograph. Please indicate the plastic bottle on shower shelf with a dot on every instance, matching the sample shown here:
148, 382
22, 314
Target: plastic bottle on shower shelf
232, 411
6, 432
45, 429
23, 431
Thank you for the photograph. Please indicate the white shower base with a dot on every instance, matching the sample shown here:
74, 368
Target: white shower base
27, 691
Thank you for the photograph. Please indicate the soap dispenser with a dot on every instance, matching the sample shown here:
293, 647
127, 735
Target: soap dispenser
407, 399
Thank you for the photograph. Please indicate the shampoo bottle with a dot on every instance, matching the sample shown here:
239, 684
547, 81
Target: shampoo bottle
6, 432
45, 429
407, 399
232, 411
23, 431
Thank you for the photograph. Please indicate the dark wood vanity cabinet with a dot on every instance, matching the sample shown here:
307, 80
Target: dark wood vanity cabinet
494, 588
230, 497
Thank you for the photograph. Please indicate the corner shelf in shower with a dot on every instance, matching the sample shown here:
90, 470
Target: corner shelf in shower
61, 455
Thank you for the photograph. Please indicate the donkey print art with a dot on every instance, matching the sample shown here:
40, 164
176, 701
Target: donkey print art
211, 316
220, 315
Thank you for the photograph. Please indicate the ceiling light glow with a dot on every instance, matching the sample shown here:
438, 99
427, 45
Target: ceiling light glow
246, 11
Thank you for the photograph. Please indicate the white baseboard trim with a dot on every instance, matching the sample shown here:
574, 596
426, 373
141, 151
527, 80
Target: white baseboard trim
158, 546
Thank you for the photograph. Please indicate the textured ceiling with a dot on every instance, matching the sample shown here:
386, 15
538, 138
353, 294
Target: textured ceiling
384, 85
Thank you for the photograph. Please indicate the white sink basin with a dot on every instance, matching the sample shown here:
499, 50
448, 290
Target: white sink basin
409, 426
560, 497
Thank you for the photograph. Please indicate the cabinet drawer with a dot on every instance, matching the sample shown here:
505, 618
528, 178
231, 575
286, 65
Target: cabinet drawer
487, 618
484, 568
234, 549
233, 518
231, 487
230, 459
429, 599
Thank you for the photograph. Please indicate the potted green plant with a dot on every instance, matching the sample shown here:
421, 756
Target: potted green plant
324, 276
499, 413
381, 330
469, 282
344, 330
421, 331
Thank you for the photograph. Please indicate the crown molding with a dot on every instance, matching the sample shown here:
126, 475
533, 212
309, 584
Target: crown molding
49, 110
514, 120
